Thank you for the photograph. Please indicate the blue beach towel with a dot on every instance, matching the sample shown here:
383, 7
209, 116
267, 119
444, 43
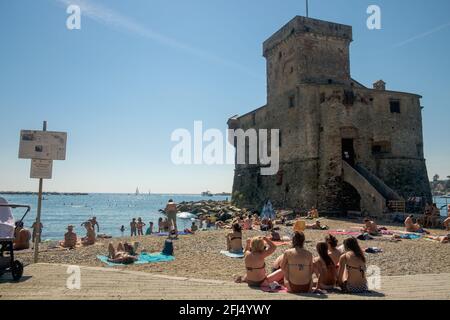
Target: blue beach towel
410, 236
233, 255
144, 258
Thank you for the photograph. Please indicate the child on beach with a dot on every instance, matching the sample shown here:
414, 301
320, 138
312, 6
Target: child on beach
140, 227
133, 227
149, 229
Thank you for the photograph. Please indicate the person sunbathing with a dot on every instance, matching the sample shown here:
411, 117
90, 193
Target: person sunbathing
297, 266
314, 226
446, 222
441, 239
313, 213
22, 237
70, 238
352, 268
333, 251
410, 226
234, 239
90, 234
248, 225
125, 253
255, 254
324, 268
370, 227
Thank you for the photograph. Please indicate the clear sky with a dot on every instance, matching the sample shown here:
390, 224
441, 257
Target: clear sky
137, 70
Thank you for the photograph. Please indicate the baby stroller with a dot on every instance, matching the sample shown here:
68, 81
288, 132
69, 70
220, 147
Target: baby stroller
7, 228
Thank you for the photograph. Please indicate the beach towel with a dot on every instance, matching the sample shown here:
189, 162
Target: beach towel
166, 234
233, 255
144, 258
410, 236
373, 250
343, 233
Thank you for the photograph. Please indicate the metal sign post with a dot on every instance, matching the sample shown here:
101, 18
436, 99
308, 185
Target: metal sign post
37, 238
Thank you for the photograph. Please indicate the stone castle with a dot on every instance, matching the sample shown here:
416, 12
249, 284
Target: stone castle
343, 147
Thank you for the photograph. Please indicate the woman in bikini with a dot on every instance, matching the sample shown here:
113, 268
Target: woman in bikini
297, 266
255, 254
124, 254
234, 239
324, 268
352, 268
333, 251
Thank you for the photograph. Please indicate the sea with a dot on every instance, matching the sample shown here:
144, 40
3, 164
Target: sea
112, 211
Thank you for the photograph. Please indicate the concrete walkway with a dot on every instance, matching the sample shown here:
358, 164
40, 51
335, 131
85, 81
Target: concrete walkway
48, 281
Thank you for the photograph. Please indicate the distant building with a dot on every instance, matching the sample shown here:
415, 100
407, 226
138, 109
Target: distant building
343, 147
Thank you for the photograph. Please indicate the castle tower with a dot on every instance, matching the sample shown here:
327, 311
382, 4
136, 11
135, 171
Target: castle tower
343, 147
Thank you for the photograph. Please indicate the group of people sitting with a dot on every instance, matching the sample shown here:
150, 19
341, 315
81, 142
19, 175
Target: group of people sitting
295, 268
70, 237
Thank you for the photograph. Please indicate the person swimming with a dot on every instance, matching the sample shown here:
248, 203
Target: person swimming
297, 266
324, 268
352, 268
254, 258
234, 239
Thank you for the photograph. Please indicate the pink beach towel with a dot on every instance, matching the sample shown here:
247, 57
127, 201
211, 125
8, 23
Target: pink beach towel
343, 233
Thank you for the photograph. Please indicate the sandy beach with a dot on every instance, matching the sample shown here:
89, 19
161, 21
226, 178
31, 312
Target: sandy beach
198, 255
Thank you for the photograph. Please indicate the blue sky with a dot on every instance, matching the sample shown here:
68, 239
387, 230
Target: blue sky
139, 69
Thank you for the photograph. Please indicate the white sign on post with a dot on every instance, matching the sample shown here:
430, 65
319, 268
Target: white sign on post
41, 169
42, 145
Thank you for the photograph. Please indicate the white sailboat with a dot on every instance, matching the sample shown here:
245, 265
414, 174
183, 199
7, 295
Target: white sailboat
137, 191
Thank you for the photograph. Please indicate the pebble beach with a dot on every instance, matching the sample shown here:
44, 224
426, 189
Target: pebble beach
198, 255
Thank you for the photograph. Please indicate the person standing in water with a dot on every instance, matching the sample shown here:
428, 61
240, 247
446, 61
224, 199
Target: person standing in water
133, 227
122, 230
171, 211
140, 227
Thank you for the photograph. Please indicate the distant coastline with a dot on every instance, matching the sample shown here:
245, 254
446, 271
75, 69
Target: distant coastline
29, 193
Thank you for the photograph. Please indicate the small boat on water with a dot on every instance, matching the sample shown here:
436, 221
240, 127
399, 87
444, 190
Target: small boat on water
137, 191
207, 194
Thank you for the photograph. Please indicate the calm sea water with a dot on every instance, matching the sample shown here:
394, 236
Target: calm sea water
112, 211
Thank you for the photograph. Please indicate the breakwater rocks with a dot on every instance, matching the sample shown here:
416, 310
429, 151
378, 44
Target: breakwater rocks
222, 210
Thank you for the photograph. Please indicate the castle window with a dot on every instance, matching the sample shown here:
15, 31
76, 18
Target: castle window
349, 98
381, 147
291, 101
395, 106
